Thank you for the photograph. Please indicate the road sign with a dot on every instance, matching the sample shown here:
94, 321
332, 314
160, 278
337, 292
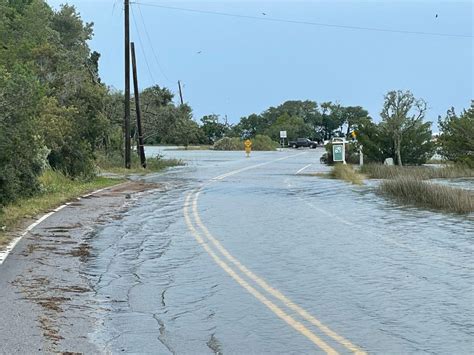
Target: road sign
282, 134
248, 147
338, 150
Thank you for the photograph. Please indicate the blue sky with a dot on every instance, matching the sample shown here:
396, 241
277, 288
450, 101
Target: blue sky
236, 66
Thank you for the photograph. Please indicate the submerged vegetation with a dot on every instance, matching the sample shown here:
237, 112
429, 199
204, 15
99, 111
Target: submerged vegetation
347, 173
411, 185
379, 171
421, 193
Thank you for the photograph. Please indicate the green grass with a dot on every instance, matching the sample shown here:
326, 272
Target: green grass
409, 190
56, 189
113, 163
347, 173
378, 171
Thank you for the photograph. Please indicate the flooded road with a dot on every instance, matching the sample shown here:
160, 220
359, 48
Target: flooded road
252, 256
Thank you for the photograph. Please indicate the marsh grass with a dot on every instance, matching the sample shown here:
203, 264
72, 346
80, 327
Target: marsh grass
56, 189
346, 173
378, 171
415, 191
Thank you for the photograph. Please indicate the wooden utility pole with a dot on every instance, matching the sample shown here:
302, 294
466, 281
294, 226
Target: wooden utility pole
141, 148
180, 92
127, 85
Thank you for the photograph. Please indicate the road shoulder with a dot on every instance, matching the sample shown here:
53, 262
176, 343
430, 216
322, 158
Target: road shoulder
43, 292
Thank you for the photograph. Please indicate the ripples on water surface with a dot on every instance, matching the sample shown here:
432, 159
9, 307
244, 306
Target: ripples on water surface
389, 278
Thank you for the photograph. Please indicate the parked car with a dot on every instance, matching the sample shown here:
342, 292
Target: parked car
303, 142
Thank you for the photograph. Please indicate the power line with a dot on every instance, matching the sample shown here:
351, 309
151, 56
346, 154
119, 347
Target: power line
310, 23
151, 44
142, 47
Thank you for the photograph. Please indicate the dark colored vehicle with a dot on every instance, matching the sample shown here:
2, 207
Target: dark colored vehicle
303, 142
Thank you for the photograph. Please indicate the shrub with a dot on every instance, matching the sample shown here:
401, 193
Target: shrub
260, 142
228, 143
75, 160
426, 194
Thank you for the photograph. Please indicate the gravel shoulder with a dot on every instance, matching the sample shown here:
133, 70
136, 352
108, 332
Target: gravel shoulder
44, 296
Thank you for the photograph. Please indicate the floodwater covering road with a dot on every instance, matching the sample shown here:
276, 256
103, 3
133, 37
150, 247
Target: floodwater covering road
251, 256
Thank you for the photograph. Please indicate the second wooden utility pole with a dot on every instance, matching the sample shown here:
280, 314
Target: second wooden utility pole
127, 85
180, 92
141, 148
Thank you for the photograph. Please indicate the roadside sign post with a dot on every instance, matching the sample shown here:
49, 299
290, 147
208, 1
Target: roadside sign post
361, 153
282, 138
248, 147
339, 150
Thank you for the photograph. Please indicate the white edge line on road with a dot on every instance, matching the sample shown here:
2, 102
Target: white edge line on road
303, 168
4, 253
223, 176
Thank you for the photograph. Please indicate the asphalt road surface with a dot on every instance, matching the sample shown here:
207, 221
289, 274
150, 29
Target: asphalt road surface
240, 255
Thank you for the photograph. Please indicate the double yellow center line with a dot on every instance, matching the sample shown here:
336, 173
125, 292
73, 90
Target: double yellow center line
232, 266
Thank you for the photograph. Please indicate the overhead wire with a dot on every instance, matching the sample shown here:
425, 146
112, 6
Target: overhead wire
151, 45
142, 47
310, 23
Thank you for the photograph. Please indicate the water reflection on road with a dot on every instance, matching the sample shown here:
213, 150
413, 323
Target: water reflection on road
389, 279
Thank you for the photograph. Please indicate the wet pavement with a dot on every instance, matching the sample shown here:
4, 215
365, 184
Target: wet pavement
252, 256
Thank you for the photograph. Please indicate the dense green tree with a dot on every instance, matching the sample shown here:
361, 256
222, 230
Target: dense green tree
324, 121
377, 144
400, 109
156, 97
22, 152
332, 119
164, 122
52, 47
377, 140
249, 126
417, 145
185, 130
213, 129
306, 110
294, 126
353, 116
456, 140
114, 111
